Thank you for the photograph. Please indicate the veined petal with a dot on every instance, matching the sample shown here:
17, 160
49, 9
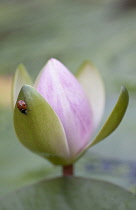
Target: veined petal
40, 130
67, 98
92, 83
21, 78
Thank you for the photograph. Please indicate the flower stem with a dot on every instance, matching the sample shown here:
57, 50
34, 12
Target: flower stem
68, 170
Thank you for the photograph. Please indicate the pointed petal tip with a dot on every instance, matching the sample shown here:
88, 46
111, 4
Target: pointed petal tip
123, 88
56, 64
53, 60
20, 78
88, 62
124, 91
85, 64
20, 65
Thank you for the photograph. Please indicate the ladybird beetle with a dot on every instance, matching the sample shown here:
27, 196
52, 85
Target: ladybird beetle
22, 106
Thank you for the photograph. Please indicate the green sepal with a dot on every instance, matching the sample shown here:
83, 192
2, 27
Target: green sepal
21, 77
40, 129
113, 120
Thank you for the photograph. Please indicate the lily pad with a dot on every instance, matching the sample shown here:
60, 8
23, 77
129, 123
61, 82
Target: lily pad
70, 193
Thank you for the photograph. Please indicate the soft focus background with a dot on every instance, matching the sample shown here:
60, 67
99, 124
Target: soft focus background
103, 31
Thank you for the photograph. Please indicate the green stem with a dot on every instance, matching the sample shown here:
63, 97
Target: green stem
68, 170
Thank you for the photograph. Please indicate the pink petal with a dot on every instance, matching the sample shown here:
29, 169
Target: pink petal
65, 95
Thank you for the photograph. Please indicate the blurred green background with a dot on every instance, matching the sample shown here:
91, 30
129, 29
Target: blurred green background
103, 31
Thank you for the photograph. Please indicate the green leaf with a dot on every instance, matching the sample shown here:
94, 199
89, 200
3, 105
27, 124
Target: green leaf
115, 117
70, 193
21, 78
93, 85
40, 130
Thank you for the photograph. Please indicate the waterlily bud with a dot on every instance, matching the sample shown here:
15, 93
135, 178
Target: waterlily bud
57, 117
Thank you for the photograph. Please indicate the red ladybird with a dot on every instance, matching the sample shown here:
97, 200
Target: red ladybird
22, 106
